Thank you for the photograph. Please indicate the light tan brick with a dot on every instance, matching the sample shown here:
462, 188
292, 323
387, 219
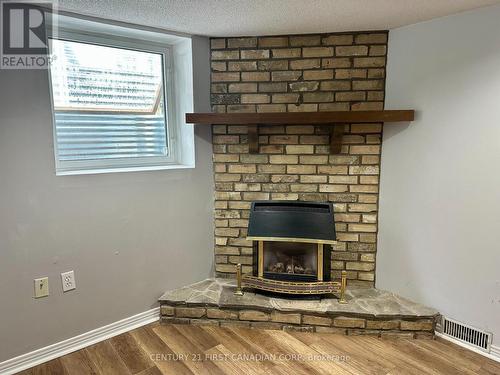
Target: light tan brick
284, 159
337, 40
368, 169
309, 107
190, 312
254, 315
242, 168
252, 196
317, 51
215, 313
241, 42
271, 108
303, 188
305, 40
350, 96
318, 97
360, 266
272, 64
225, 77
284, 53
379, 38
217, 43
351, 51
242, 87
332, 169
316, 320
314, 159
226, 55
347, 322
301, 169
378, 50
285, 98
366, 128
369, 62
304, 86
335, 85
343, 179
287, 75
366, 150
279, 41
254, 54
166, 310
312, 75
350, 73
333, 188
255, 98
242, 65
368, 85
337, 62
299, 149
419, 325
218, 66
362, 207
368, 179
305, 64
315, 179
283, 317
273, 87
255, 76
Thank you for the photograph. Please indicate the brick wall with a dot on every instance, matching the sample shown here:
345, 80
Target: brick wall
307, 73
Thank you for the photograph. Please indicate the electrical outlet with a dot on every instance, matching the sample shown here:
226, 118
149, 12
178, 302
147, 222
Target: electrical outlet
41, 287
68, 280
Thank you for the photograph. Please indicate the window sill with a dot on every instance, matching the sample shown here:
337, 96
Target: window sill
123, 169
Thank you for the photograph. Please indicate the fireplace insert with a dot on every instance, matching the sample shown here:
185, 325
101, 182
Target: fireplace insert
292, 244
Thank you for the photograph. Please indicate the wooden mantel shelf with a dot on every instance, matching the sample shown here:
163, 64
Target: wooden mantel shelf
331, 119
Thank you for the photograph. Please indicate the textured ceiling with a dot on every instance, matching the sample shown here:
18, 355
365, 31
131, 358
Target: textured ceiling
268, 17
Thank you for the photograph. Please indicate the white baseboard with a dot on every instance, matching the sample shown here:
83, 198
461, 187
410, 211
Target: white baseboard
494, 353
25, 361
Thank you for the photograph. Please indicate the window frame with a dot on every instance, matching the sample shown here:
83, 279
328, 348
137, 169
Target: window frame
135, 43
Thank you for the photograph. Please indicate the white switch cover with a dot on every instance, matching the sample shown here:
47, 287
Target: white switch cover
41, 287
68, 281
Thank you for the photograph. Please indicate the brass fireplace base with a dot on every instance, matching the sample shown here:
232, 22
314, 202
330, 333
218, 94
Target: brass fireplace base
291, 287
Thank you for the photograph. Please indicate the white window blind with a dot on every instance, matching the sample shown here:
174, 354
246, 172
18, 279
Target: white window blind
110, 105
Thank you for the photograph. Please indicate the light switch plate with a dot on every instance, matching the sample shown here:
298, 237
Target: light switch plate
68, 280
41, 287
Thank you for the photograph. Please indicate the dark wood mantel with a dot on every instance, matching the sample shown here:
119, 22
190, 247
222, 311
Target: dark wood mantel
331, 119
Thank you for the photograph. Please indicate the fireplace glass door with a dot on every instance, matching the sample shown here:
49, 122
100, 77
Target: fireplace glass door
290, 261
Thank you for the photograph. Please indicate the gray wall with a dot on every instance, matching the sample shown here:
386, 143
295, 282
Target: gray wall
128, 236
439, 230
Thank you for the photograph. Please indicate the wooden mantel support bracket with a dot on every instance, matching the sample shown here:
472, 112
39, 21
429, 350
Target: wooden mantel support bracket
334, 120
336, 135
253, 139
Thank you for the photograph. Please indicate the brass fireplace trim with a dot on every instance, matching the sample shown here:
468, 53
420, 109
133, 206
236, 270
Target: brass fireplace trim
293, 287
291, 239
320, 259
261, 258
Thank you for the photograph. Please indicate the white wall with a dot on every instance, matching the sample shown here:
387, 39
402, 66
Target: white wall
128, 236
439, 236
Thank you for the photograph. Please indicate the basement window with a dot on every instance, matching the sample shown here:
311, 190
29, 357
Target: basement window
114, 104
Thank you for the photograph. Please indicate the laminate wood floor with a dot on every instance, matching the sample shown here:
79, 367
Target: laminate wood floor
185, 349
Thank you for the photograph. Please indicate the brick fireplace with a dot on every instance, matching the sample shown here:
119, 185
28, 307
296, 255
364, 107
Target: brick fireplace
308, 73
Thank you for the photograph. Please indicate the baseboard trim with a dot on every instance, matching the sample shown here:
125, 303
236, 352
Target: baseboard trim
494, 353
36, 357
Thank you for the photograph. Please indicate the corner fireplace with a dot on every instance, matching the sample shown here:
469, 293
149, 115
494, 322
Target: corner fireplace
292, 244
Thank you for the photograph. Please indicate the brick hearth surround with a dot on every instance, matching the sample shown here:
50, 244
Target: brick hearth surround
308, 73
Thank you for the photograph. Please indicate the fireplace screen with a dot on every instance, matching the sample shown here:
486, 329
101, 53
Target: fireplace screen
290, 260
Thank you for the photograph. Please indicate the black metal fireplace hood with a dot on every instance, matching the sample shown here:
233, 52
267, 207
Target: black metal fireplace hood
291, 221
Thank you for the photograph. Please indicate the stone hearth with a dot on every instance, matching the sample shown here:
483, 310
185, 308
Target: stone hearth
368, 311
